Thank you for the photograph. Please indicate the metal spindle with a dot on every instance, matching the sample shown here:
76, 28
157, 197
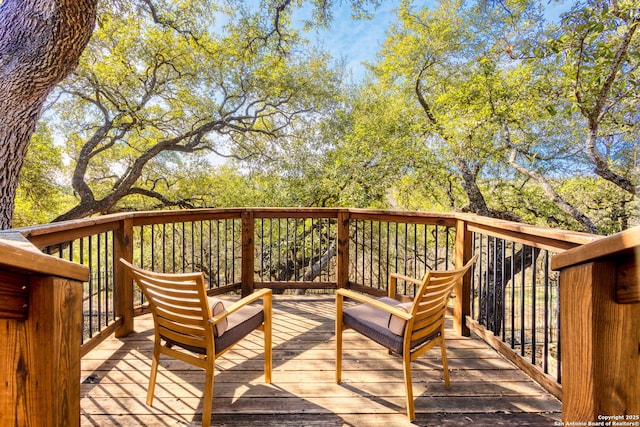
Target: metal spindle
474, 238
210, 265
313, 229
495, 285
559, 357
522, 302
99, 282
533, 306
436, 248
513, 296
446, 242
363, 252
370, 253
202, 265
503, 278
545, 321
218, 251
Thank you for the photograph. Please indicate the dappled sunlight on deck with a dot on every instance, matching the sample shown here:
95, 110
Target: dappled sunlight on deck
485, 388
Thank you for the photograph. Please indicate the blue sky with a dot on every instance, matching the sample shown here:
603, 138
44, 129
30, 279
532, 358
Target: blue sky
359, 40
355, 40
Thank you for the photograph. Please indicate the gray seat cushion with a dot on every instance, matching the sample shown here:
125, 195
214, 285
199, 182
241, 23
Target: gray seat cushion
240, 324
374, 324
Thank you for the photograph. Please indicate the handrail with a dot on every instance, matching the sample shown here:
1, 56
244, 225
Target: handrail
20, 255
54, 233
240, 249
618, 244
118, 230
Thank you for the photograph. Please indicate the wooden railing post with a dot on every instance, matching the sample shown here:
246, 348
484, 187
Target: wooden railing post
123, 283
248, 252
343, 249
600, 331
40, 349
462, 302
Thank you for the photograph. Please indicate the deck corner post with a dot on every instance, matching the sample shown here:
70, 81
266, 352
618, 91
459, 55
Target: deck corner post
123, 248
40, 355
343, 249
600, 345
462, 302
248, 252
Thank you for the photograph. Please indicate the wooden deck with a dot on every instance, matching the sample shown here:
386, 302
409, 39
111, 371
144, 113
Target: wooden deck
486, 389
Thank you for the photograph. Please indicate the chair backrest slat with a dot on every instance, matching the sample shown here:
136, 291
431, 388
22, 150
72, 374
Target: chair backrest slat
179, 305
194, 323
431, 299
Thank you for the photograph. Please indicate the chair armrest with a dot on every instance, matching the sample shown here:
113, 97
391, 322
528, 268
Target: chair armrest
346, 293
393, 282
262, 293
406, 278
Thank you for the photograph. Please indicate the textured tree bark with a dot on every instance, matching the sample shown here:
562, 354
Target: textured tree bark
40, 44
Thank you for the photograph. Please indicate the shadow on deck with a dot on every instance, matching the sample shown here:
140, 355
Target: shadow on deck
486, 389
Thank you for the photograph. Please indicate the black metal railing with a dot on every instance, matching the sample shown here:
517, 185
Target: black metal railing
99, 293
515, 295
300, 249
212, 247
381, 247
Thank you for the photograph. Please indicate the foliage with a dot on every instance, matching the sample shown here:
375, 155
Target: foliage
182, 78
497, 86
41, 195
478, 106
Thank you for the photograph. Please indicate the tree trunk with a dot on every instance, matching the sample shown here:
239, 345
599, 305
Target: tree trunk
40, 44
552, 195
501, 269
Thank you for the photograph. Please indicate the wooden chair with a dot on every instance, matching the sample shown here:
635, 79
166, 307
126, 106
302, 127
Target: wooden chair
185, 317
409, 329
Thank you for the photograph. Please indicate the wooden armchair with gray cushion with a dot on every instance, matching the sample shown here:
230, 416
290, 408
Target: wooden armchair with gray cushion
185, 318
408, 329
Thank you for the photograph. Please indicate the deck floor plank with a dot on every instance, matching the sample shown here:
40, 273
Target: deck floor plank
485, 388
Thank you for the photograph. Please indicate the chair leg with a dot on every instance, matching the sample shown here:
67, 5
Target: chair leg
406, 363
338, 339
338, 356
445, 364
267, 341
207, 403
155, 359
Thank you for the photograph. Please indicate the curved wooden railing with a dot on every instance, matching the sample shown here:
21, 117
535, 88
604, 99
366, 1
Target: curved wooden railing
308, 249
511, 299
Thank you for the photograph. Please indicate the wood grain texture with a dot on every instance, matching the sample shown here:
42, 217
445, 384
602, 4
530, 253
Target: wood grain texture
342, 258
123, 247
40, 357
14, 295
628, 280
248, 253
462, 300
15, 258
40, 44
600, 345
623, 243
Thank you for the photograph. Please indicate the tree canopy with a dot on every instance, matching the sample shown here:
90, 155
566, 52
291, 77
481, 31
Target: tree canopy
489, 107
